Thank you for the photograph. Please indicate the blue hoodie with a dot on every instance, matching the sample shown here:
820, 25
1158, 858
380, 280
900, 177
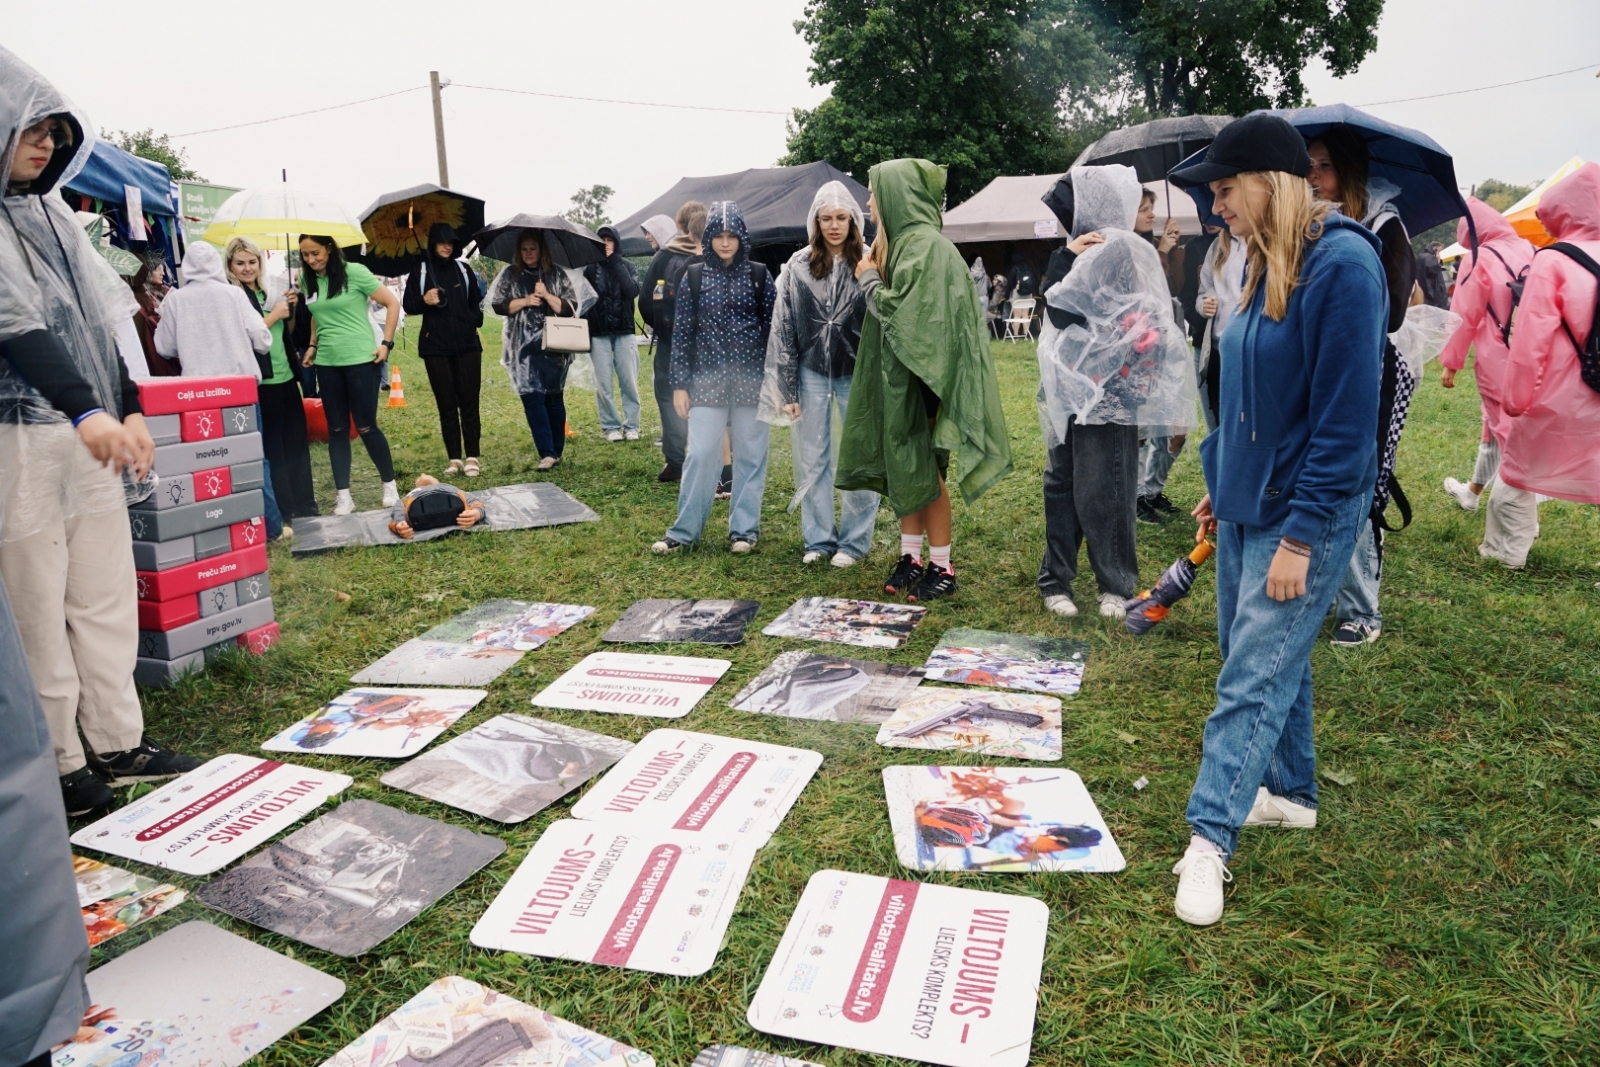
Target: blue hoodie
719, 342
1298, 406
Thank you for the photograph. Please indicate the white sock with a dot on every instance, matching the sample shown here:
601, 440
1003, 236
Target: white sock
911, 545
940, 557
1201, 844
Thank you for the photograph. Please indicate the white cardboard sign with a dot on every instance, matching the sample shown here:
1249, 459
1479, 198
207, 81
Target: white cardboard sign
211, 816
626, 683
622, 896
701, 783
927, 972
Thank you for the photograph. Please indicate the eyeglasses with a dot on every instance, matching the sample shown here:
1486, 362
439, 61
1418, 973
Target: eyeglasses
38, 136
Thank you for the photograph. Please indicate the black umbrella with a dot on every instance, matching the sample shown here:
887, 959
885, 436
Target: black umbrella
396, 225
1155, 147
571, 245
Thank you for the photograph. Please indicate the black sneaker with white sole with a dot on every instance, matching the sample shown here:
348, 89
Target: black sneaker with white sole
905, 576
147, 763
83, 791
1145, 511
1161, 504
935, 583
1354, 634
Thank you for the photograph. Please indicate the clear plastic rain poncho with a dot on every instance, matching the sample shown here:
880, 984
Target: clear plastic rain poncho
1423, 335
1129, 364
51, 278
816, 325
522, 333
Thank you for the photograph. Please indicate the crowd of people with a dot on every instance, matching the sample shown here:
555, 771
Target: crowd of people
1272, 330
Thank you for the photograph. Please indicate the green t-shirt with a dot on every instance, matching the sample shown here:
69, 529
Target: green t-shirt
281, 371
344, 333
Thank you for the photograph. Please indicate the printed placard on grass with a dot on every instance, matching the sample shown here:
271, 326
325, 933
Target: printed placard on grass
701, 783
913, 969
208, 818
620, 895
475, 647
996, 819
382, 723
1008, 661
736, 1056
626, 683
808, 685
1015, 725
113, 900
457, 1023
847, 622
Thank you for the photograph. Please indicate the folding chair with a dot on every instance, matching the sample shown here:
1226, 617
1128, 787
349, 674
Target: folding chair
1019, 322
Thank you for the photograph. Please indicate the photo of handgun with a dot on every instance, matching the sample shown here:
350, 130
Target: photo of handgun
485, 1045
971, 709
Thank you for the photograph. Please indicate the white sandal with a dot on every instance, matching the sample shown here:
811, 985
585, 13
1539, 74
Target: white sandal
453, 467
472, 466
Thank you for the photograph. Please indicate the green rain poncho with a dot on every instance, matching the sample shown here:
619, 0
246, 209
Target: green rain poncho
928, 325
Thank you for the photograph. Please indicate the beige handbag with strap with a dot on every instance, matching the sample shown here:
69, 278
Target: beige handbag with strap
563, 334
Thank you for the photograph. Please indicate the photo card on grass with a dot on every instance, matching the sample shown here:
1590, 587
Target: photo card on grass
736, 1056
458, 1023
811, 685
475, 647
621, 895
1014, 725
913, 969
197, 996
627, 683
847, 622
382, 723
113, 900
509, 767
221, 810
702, 783
996, 819
1008, 661
351, 878
703, 622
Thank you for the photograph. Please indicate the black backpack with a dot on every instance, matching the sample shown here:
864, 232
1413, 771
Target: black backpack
671, 277
1589, 350
758, 279
1519, 280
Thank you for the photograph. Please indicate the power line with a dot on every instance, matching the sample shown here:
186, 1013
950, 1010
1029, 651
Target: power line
298, 114
632, 103
1481, 88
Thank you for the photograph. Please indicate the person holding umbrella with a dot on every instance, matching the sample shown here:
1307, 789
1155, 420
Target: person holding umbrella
526, 290
341, 349
444, 291
1291, 471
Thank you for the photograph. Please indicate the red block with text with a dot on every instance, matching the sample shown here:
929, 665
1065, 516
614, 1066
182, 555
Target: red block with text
201, 574
170, 396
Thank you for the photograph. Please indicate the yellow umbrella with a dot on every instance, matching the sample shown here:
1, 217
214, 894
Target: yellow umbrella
274, 215
1521, 214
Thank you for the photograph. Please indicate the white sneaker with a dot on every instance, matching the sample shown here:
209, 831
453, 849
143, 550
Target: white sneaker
547, 462
1270, 810
843, 559
1113, 606
391, 494
1201, 876
1062, 605
614, 436
812, 557
1463, 495
741, 546
630, 435
344, 505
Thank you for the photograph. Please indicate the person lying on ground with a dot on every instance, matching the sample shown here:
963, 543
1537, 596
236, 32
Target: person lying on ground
434, 505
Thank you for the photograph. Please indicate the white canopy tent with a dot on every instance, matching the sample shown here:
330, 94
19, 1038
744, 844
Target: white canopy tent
1012, 209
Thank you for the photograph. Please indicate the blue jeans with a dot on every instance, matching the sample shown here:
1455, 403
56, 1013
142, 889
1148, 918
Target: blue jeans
1358, 593
811, 439
1155, 462
270, 512
702, 466
619, 353
1260, 733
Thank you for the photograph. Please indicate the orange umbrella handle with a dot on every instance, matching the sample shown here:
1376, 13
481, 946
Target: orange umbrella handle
1202, 552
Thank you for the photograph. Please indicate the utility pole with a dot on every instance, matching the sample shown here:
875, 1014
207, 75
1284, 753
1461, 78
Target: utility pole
438, 126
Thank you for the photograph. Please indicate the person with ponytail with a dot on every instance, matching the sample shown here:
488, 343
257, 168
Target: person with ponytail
341, 349
1290, 470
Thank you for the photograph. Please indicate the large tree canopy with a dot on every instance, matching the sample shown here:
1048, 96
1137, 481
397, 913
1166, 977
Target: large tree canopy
1227, 57
976, 85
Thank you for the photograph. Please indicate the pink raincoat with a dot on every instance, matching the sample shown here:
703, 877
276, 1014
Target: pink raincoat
1554, 444
1482, 298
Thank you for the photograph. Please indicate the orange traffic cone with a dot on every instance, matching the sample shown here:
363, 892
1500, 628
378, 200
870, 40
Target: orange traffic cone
570, 431
397, 393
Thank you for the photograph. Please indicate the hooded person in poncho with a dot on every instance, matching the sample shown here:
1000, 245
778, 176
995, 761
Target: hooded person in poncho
811, 361
524, 293
924, 383
66, 551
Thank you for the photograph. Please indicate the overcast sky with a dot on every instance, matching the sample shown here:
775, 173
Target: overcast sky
527, 153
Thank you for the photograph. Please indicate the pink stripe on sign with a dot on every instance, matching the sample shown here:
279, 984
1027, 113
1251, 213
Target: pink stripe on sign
710, 799
870, 984
650, 676
634, 914
210, 800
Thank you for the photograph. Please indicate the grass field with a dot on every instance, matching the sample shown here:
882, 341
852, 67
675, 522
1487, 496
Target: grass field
1445, 911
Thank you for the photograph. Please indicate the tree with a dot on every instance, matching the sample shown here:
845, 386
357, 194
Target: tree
981, 86
1228, 57
589, 206
147, 144
1500, 195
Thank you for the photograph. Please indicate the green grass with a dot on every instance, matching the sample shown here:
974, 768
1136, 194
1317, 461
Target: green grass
1444, 912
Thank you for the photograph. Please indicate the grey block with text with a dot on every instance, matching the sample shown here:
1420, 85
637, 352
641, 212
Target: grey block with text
186, 457
194, 636
193, 518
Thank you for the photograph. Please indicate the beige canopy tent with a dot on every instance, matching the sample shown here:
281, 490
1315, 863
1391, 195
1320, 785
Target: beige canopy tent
1522, 215
1011, 209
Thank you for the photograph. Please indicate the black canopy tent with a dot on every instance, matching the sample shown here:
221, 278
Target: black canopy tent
774, 201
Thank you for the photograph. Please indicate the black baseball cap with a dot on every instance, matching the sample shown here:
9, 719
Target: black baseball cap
1256, 142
